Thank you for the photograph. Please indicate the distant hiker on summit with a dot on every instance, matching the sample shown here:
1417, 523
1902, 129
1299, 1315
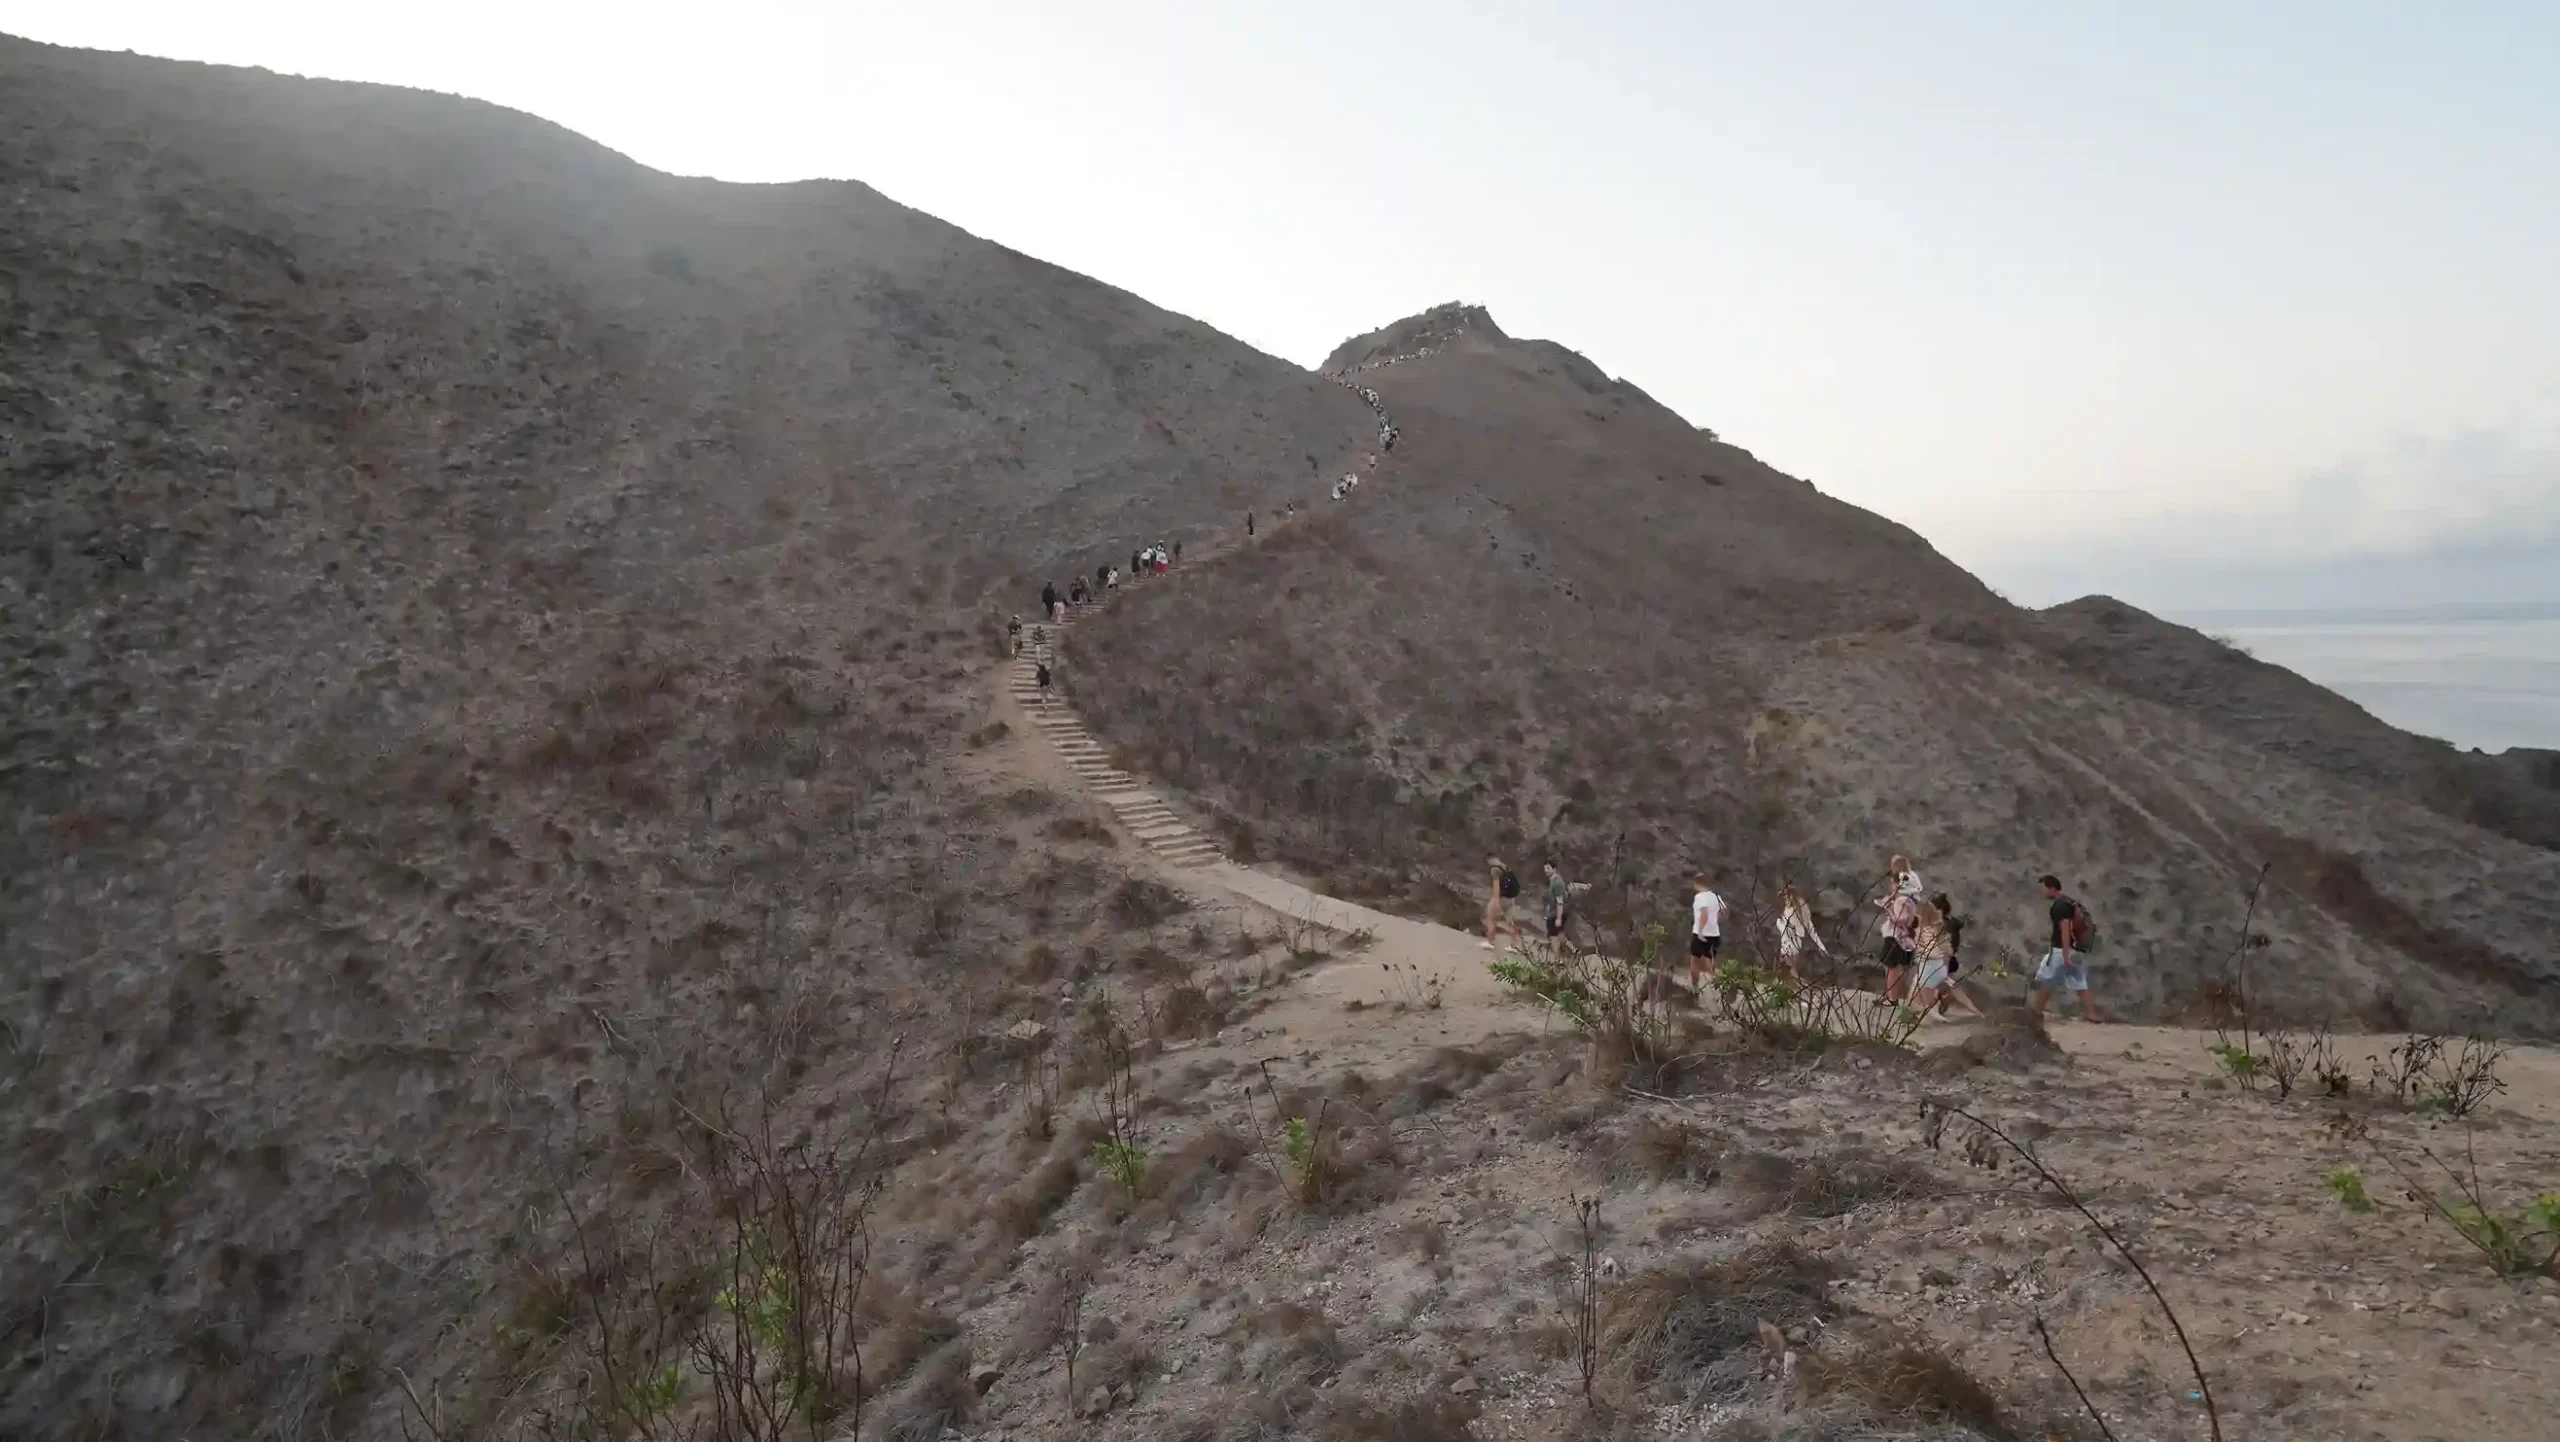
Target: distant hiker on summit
1248, 525
1049, 600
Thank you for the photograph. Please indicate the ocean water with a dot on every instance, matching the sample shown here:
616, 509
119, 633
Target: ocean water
2490, 681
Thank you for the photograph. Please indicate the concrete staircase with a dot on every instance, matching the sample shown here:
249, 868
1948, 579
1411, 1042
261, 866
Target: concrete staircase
1140, 812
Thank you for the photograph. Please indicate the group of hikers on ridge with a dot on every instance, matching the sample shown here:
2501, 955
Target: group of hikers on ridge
1920, 937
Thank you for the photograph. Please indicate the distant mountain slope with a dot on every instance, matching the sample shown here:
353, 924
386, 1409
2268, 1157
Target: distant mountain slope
2271, 707
1565, 621
486, 626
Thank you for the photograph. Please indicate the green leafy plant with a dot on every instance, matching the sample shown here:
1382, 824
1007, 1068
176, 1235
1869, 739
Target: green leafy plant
2347, 1185
1541, 977
1302, 1150
1123, 1161
2236, 1062
655, 1396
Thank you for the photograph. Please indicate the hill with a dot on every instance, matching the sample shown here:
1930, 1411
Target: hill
486, 629
1565, 622
532, 911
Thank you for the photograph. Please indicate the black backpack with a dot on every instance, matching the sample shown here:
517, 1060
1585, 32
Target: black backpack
1510, 883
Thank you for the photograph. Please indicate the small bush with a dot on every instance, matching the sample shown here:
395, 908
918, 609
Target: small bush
2347, 1185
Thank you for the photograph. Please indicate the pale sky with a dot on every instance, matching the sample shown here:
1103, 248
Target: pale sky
2162, 291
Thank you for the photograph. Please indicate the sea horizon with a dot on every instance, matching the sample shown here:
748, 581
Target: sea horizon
2480, 677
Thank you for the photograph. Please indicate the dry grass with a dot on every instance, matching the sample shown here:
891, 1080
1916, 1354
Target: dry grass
1908, 1386
1429, 1419
1660, 1151
1673, 1327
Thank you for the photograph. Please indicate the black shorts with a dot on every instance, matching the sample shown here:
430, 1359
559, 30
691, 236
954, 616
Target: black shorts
1894, 955
1555, 923
1705, 947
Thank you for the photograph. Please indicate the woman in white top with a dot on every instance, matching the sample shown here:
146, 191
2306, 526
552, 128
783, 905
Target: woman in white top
1795, 928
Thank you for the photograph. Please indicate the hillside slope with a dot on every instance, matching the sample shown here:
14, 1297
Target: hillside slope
1564, 621
487, 628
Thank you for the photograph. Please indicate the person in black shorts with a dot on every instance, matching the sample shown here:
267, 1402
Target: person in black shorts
1557, 891
1706, 931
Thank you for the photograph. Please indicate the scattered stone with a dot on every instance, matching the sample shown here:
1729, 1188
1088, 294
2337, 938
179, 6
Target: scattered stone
1902, 1279
1938, 1277
983, 1377
1097, 1403
1463, 1387
2443, 1300
1026, 1030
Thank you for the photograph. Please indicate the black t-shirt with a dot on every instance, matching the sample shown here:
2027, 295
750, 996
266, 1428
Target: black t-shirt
2064, 908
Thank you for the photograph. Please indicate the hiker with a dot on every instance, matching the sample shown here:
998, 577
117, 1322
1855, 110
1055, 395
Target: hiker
1706, 930
1013, 635
1901, 931
1248, 525
1939, 933
1049, 600
1102, 575
1075, 591
1177, 553
1900, 879
1955, 955
1041, 675
1795, 928
2065, 966
1557, 892
1502, 886
1111, 581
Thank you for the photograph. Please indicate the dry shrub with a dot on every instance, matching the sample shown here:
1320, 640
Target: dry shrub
1140, 901
935, 1400
1430, 1419
1661, 1152
1908, 1386
1081, 829
1288, 1344
1188, 1010
1834, 1184
1022, 1210
1673, 1325
1207, 1169
897, 1333
1449, 1072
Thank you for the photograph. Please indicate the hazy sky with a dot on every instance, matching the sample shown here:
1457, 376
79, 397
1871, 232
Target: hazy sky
2191, 297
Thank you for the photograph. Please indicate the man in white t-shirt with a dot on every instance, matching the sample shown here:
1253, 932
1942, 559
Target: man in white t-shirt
1706, 931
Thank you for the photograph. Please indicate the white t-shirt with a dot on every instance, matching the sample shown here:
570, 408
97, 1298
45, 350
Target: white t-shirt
1706, 914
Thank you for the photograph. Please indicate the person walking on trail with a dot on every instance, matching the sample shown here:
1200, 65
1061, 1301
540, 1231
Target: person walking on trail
2066, 963
1901, 931
1041, 675
1177, 553
1940, 933
1049, 600
1013, 635
1501, 888
1558, 893
1248, 525
1075, 591
1706, 931
1795, 928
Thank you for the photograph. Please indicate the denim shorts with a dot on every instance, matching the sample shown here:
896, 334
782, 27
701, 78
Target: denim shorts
1933, 973
2069, 971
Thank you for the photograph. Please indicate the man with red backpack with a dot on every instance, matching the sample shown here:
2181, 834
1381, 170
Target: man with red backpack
2066, 964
